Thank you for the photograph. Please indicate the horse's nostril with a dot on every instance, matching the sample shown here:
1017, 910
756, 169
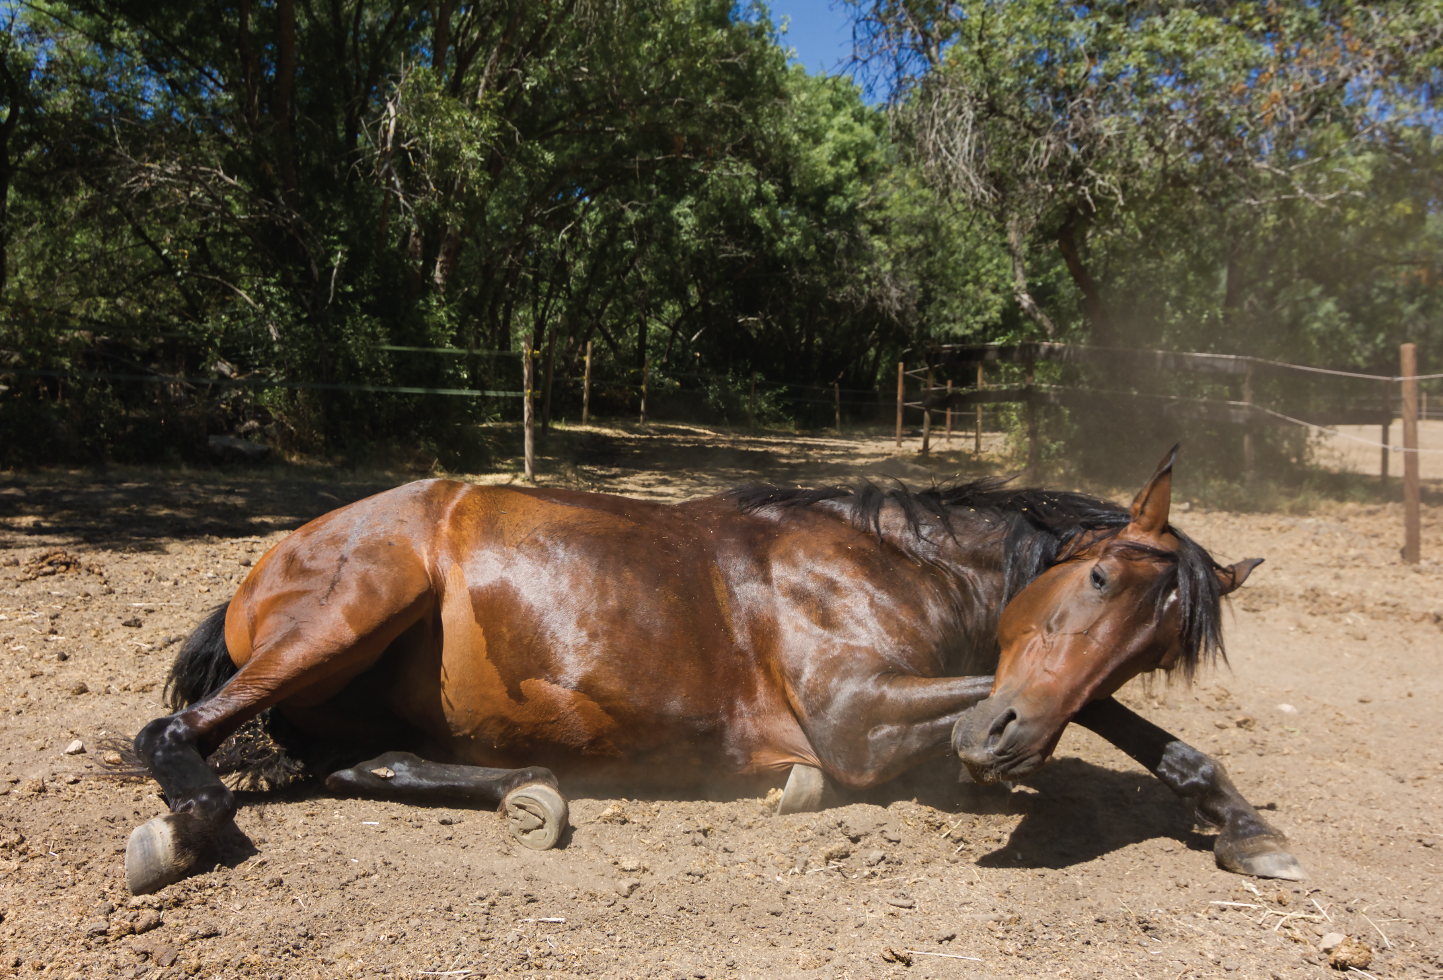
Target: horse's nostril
997, 731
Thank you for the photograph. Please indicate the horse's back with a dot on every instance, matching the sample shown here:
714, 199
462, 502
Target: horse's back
594, 629
524, 625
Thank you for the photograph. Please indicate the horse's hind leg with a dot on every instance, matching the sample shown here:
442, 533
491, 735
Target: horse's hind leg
1246, 844
305, 649
165, 849
534, 809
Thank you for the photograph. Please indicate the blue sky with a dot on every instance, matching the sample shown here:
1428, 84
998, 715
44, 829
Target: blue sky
820, 30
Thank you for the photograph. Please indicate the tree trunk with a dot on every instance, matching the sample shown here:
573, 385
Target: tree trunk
446, 257
285, 85
1092, 304
441, 14
1233, 290
5, 215
250, 70
1016, 244
15, 95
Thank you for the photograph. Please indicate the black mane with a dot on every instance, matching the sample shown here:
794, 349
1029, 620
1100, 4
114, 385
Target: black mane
1040, 525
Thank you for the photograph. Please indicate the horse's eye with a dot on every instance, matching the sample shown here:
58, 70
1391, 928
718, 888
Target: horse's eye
1099, 578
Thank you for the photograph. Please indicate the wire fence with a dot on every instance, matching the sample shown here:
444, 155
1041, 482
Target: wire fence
751, 396
1257, 403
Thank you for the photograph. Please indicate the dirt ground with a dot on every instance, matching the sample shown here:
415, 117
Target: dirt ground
1328, 717
1355, 449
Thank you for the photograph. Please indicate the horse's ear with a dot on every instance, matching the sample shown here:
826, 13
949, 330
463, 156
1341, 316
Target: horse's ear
1153, 502
1230, 577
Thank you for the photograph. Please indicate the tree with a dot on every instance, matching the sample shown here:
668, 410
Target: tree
1064, 124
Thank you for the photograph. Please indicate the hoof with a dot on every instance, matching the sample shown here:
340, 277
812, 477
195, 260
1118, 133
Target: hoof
1264, 857
162, 851
804, 791
535, 815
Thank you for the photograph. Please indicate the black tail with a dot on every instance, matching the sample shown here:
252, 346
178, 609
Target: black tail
203, 665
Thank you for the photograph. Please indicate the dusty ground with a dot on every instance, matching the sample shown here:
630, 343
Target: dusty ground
1328, 716
1356, 449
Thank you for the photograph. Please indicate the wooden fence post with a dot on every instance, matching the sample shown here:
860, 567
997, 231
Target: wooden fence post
1248, 458
927, 415
837, 399
645, 372
528, 415
586, 386
1412, 528
546, 386
1387, 433
901, 390
977, 438
949, 411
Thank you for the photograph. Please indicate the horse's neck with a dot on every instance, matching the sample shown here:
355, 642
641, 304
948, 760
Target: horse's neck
971, 556
976, 568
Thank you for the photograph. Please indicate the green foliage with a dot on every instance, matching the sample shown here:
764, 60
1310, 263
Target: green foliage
273, 191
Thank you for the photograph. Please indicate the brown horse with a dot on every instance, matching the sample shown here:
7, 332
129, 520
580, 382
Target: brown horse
478, 633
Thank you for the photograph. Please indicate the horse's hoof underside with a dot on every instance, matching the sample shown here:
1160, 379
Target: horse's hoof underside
1264, 857
535, 815
162, 851
803, 793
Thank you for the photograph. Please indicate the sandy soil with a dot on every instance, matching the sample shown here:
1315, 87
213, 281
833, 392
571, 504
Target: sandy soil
1328, 716
1357, 448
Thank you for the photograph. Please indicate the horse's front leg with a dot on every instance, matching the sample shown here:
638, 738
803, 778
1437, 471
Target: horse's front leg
536, 813
1246, 843
871, 729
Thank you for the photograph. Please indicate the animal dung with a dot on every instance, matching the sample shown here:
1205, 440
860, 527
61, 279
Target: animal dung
891, 954
1350, 954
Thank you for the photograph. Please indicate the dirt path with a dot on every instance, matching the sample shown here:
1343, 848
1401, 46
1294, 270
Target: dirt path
1089, 869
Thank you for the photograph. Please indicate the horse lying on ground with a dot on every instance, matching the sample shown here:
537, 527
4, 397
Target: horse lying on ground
476, 634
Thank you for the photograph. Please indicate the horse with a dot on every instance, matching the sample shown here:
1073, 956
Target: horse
488, 640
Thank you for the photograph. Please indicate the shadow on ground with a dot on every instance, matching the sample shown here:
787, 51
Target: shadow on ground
139, 514
1082, 812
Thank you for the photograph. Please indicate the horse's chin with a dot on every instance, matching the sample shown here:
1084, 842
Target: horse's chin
1005, 770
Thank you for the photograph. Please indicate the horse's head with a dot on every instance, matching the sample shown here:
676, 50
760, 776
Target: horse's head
1118, 602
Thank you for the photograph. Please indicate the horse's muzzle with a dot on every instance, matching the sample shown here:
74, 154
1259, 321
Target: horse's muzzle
995, 742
